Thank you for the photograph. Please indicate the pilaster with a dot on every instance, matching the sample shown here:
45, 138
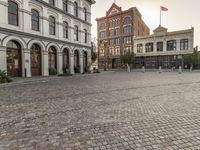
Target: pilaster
26, 63
60, 63
45, 64
3, 63
72, 63
81, 63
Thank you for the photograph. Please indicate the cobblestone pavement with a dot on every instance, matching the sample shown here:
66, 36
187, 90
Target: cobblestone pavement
113, 110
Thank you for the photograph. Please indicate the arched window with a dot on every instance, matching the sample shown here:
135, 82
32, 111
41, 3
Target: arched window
52, 26
35, 20
65, 29
85, 14
65, 59
127, 20
85, 32
14, 59
35, 60
52, 2
76, 33
65, 5
13, 13
75, 9
52, 57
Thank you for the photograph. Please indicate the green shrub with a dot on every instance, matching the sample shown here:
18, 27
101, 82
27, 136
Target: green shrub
66, 72
52, 71
96, 71
66, 69
4, 78
77, 69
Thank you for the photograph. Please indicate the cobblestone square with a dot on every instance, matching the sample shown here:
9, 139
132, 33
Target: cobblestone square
112, 110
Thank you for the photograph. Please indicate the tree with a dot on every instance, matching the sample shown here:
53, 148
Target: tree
192, 59
128, 58
93, 52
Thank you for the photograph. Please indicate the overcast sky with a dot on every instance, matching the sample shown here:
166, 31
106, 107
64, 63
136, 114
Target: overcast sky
182, 14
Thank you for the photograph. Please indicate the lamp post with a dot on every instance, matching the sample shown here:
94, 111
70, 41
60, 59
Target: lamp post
104, 42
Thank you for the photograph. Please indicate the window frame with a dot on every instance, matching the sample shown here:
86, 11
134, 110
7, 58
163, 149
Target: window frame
75, 9
35, 20
15, 14
85, 13
127, 20
52, 25
184, 44
127, 29
85, 36
140, 48
52, 2
65, 6
158, 45
76, 33
174, 45
65, 29
149, 47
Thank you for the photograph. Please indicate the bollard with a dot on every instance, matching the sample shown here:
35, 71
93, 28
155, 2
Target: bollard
190, 68
143, 69
180, 70
160, 69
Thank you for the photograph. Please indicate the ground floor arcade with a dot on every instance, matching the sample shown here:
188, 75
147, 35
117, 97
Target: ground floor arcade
149, 62
26, 58
153, 62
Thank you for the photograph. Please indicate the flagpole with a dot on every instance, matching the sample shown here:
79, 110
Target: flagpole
160, 16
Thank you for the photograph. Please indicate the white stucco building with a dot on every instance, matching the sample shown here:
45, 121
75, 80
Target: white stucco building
163, 48
39, 35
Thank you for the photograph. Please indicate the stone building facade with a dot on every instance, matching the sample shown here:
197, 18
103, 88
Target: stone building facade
165, 49
117, 29
39, 35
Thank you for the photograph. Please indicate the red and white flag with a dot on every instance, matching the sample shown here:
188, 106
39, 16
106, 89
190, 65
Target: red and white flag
163, 8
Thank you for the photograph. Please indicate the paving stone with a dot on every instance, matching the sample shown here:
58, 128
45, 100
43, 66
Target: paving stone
112, 110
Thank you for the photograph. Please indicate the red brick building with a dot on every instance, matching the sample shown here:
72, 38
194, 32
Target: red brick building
117, 29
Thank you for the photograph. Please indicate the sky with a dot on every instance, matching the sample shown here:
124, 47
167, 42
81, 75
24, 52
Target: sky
181, 14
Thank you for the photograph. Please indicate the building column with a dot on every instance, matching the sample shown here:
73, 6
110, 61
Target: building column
72, 63
154, 47
81, 63
164, 46
45, 63
26, 63
3, 60
60, 63
178, 47
143, 48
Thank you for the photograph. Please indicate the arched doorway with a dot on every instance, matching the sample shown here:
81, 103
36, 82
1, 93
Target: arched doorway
14, 59
35, 60
85, 63
76, 62
76, 58
65, 58
52, 60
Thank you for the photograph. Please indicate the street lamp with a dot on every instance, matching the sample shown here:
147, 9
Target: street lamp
104, 42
